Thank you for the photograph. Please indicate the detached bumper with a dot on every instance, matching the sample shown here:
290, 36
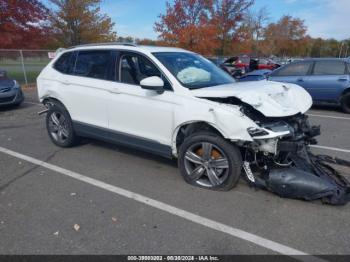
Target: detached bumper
307, 177
12, 97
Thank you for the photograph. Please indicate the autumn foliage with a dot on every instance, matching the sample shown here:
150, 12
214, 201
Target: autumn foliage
79, 22
187, 24
228, 27
203, 26
209, 27
28, 24
23, 24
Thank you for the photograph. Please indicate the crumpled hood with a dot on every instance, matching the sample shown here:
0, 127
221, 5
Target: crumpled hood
273, 99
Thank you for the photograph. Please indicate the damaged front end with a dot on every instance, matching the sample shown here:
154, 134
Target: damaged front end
279, 158
284, 164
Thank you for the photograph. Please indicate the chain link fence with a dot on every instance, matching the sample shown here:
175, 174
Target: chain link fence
24, 65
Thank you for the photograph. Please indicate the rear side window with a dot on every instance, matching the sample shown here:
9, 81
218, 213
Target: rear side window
295, 69
64, 63
94, 64
329, 68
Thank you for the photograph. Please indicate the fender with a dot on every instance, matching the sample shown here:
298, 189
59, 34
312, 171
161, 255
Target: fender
177, 129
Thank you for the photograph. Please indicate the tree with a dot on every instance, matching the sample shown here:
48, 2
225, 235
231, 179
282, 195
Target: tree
80, 21
227, 15
286, 37
251, 31
23, 24
187, 24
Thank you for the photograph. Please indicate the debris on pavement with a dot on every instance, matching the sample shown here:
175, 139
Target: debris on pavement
76, 227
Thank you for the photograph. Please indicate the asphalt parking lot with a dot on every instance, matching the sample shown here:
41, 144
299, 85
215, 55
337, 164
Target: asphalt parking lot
82, 209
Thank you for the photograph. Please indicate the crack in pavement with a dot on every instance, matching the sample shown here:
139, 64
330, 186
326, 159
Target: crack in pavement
26, 172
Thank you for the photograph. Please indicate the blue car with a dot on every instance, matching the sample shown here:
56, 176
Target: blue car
256, 75
10, 91
326, 79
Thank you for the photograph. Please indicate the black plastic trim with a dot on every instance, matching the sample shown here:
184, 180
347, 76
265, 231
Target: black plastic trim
107, 135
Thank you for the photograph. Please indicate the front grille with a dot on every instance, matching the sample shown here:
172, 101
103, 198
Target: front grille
6, 89
6, 99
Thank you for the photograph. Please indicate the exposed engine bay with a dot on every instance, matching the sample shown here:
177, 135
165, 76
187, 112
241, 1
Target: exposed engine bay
285, 164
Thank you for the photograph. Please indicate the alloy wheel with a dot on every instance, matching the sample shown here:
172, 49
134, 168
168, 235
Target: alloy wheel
206, 164
58, 127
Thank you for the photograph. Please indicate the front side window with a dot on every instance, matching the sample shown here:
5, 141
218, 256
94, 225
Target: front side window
133, 68
64, 63
192, 70
295, 69
94, 64
329, 68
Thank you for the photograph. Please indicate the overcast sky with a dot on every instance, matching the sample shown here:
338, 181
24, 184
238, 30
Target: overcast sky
324, 18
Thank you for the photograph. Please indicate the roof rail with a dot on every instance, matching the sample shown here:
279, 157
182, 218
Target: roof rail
102, 44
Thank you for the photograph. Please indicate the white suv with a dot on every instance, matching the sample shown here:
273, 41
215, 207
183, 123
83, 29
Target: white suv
174, 103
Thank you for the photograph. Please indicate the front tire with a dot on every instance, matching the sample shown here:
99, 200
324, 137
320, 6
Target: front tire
207, 160
345, 103
60, 126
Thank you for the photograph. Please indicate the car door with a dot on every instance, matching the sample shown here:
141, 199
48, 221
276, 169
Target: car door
292, 73
143, 117
328, 80
85, 90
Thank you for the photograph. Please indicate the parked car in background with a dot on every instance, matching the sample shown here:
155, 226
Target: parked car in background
237, 65
10, 91
240, 65
219, 62
265, 63
235, 72
326, 79
256, 75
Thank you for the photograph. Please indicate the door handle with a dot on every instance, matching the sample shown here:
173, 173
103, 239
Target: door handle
342, 79
65, 82
300, 80
114, 91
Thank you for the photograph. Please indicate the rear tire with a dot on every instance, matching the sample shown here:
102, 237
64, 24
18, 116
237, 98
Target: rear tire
59, 126
209, 161
345, 103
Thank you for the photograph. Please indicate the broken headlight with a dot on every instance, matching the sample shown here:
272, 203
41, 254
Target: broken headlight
253, 131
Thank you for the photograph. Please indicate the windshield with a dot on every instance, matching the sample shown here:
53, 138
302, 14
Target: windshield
193, 71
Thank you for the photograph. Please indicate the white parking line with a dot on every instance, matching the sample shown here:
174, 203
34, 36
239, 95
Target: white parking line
328, 116
235, 232
331, 148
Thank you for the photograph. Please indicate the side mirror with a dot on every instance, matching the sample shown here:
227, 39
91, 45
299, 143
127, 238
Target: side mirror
154, 83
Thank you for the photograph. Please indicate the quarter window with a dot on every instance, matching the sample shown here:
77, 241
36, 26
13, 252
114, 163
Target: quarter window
133, 68
329, 68
64, 63
94, 64
295, 69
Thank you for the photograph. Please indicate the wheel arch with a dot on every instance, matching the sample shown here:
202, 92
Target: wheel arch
345, 91
53, 100
185, 129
